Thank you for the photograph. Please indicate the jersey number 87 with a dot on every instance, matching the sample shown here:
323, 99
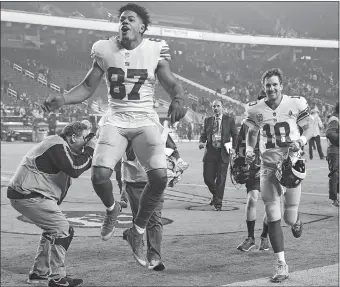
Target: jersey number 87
116, 78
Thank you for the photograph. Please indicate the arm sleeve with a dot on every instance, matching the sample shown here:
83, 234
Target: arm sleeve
203, 137
320, 123
233, 132
251, 119
97, 54
165, 51
332, 133
73, 165
303, 112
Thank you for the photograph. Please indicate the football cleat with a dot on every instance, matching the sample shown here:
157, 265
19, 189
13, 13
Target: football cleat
247, 244
108, 226
135, 241
264, 244
281, 272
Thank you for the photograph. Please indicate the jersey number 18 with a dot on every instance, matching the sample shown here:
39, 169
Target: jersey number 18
116, 77
281, 139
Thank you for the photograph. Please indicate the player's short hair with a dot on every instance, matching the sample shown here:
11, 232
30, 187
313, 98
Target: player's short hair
218, 100
139, 10
272, 72
76, 128
261, 95
336, 108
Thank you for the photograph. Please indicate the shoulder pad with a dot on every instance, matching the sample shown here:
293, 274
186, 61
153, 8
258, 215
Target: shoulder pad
155, 40
252, 103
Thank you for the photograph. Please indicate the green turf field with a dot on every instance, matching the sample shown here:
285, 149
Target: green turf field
199, 244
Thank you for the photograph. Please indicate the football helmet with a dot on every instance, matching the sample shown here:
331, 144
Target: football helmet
291, 170
239, 170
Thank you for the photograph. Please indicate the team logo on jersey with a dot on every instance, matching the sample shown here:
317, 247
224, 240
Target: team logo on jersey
290, 113
94, 219
127, 64
127, 55
259, 117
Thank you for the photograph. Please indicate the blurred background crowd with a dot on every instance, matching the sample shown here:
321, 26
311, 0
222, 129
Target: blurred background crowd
33, 67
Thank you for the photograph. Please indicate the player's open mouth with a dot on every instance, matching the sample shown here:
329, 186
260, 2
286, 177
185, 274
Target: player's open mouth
125, 29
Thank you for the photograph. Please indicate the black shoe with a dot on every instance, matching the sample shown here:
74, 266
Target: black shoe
297, 228
66, 281
218, 208
156, 265
34, 278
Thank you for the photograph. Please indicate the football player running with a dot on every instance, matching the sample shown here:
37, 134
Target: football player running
131, 64
253, 190
277, 118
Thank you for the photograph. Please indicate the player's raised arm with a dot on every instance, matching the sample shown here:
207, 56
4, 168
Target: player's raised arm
177, 109
79, 93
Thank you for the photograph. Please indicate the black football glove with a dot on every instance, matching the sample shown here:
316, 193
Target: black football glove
53, 102
177, 109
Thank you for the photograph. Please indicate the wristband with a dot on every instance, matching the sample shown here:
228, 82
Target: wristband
304, 140
249, 149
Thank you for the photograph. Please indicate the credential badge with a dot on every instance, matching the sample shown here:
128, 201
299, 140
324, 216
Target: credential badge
114, 78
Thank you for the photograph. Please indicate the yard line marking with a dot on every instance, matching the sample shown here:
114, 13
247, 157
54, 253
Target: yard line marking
183, 184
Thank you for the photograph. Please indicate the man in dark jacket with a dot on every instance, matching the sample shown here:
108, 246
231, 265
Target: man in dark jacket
332, 134
39, 186
215, 137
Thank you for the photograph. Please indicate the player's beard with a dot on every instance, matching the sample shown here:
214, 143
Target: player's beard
274, 96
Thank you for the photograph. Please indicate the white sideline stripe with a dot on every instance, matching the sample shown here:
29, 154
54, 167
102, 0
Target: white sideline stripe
196, 141
181, 184
320, 276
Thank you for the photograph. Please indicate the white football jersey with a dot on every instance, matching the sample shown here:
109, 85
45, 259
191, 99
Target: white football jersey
130, 74
279, 127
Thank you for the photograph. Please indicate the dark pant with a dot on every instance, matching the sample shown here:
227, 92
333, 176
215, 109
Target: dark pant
118, 171
333, 165
215, 174
318, 145
154, 228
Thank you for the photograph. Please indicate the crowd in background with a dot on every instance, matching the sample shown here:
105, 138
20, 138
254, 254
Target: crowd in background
233, 70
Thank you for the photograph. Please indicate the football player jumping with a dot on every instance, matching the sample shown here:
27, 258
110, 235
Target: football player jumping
252, 183
131, 64
277, 118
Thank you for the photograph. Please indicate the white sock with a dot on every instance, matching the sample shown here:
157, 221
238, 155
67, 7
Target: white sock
111, 207
139, 229
280, 256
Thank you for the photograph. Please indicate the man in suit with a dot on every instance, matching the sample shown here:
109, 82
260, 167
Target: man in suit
215, 137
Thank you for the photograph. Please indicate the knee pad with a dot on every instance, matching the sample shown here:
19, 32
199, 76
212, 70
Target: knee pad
158, 178
273, 211
100, 175
290, 214
62, 241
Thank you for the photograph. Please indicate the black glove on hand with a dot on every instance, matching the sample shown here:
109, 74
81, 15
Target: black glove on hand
177, 109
